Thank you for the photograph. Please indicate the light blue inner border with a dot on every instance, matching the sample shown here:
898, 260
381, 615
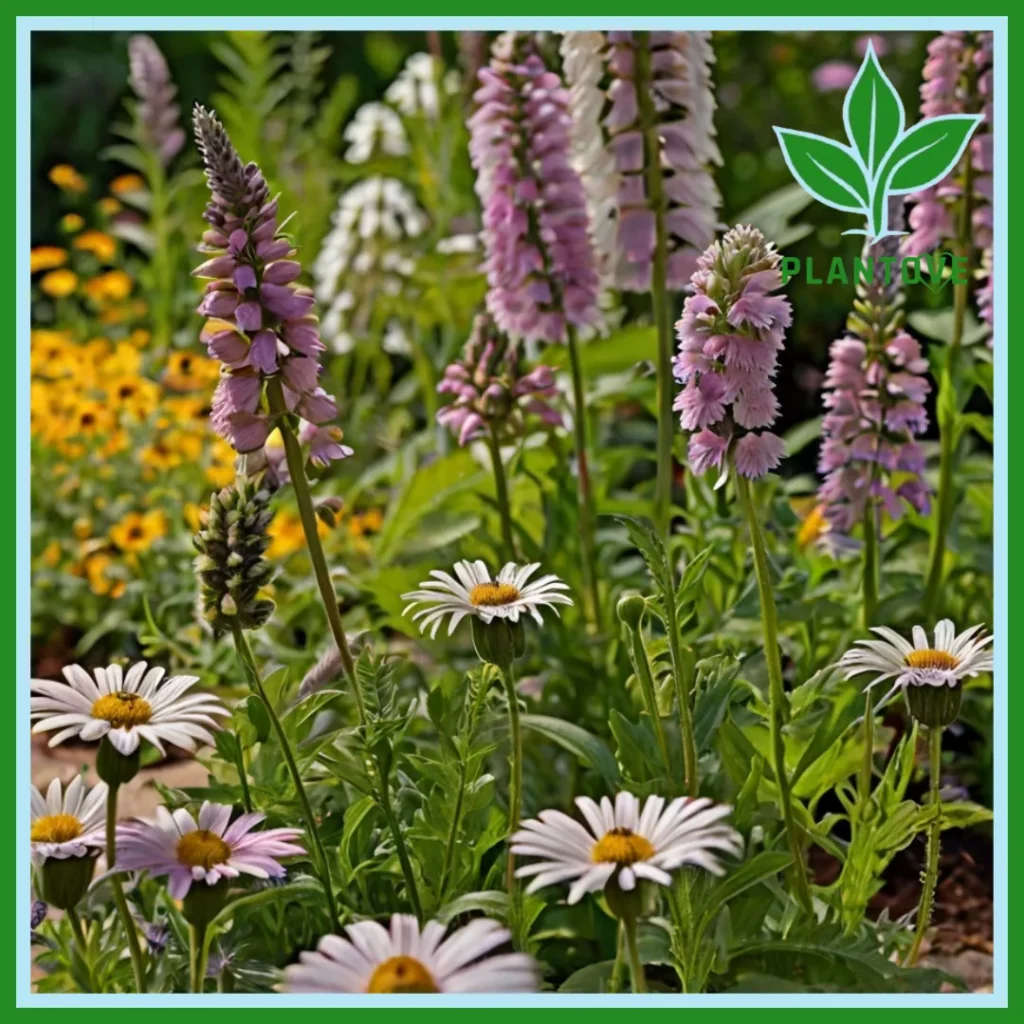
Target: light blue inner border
998, 26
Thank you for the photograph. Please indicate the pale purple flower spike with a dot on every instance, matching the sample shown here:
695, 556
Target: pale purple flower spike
158, 111
730, 335
539, 263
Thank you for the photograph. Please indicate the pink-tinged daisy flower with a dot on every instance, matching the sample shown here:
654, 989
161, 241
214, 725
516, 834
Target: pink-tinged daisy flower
404, 960
624, 843
125, 707
68, 822
944, 662
208, 850
477, 593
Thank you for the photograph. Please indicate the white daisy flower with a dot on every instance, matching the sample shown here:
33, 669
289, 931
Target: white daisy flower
624, 842
476, 592
946, 662
406, 960
68, 822
126, 707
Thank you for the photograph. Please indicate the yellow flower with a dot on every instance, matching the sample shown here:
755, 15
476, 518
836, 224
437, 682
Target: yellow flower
59, 283
51, 556
286, 536
187, 371
47, 257
122, 361
72, 222
812, 527
221, 470
89, 418
138, 396
53, 354
95, 569
65, 177
127, 183
185, 409
195, 515
139, 337
112, 286
82, 527
137, 531
109, 206
365, 522
99, 243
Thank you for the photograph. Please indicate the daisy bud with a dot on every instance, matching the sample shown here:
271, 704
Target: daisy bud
63, 883
202, 903
230, 566
934, 706
631, 610
499, 642
115, 768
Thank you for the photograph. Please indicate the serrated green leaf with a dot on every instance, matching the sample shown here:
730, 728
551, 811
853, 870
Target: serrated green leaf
590, 749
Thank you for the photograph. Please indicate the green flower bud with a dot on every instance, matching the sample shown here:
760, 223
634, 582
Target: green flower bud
113, 767
202, 902
499, 642
934, 706
631, 609
63, 882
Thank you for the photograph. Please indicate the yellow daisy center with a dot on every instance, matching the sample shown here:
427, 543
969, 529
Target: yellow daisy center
202, 849
123, 710
403, 975
492, 595
56, 828
621, 846
930, 658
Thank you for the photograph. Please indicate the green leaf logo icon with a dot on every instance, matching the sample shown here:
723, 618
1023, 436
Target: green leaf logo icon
882, 158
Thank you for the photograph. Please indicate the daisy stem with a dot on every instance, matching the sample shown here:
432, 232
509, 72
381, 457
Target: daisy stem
636, 968
776, 689
579, 427
132, 935
199, 951
403, 854
515, 784
83, 945
659, 290
946, 410
501, 493
619, 965
245, 656
870, 587
931, 872
293, 455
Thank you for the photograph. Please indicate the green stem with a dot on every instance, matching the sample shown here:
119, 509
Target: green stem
198, 954
163, 274
642, 668
659, 289
619, 964
867, 767
243, 775
870, 581
296, 468
515, 784
245, 656
579, 426
636, 968
453, 834
682, 681
501, 493
931, 874
131, 933
776, 689
83, 945
948, 409
400, 849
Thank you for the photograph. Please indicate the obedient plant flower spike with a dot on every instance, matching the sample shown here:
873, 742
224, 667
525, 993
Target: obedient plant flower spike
958, 78
543, 282
158, 111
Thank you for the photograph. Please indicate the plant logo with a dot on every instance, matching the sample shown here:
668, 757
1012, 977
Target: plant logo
882, 158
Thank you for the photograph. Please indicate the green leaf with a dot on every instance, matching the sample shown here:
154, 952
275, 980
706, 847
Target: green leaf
799, 437
258, 715
616, 353
587, 747
927, 152
937, 324
491, 902
826, 169
843, 710
773, 214
302, 886
873, 113
710, 710
764, 865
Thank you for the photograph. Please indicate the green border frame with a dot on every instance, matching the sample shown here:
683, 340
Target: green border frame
394, 12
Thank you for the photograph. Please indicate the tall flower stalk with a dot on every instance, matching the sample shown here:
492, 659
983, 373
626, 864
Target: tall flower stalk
730, 334
543, 282
646, 168
956, 212
492, 398
264, 331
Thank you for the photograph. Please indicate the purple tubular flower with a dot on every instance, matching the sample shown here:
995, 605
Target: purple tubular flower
490, 391
730, 336
262, 322
540, 265
674, 68
158, 113
876, 388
